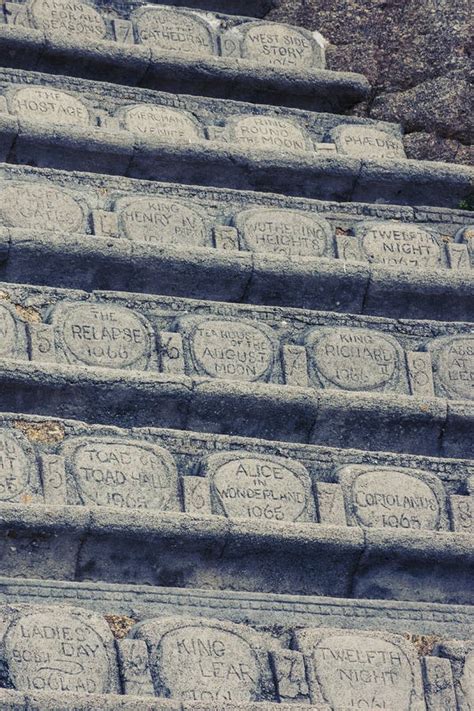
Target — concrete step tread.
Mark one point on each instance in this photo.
(67, 230)
(108, 545)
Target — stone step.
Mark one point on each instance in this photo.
(189, 663)
(280, 373)
(90, 232)
(189, 550)
(178, 50)
(140, 602)
(67, 462)
(249, 8)
(176, 506)
(56, 122)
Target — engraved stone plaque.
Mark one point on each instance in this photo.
(260, 487)
(279, 46)
(453, 366)
(160, 122)
(356, 359)
(207, 660)
(362, 670)
(231, 349)
(287, 232)
(365, 142)
(39, 207)
(109, 471)
(386, 497)
(19, 479)
(168, 30)
(9, 332)
(61, 649)
(68, 18)
(103, 335)
(41, 103)
(269, 133)
(400, 244)
(162, 222)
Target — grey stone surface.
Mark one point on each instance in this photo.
(228, 344)
(57, 701)
(37, 103)
(274, 332)
(19, 471)
(439, 685)
(67, 18)
(180, 48)
(350, 669)
(260, 488)
(453, 360)
(407, 245)
(102, 335)
(114, 396)
(209, 664)
(369, 143)
(174, 31)
(364, 360)
(120, 473)
(134, 452)
(60, 648)
(275, 45)
(390, 498)
(239, 151)
(77, 544)
(194, 659)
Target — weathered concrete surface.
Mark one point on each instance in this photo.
(415, 54)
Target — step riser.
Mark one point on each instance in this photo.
(103, 545)
(237, 343)
(152, 467)
(211, 661)
(91, 263)
(308, 168)
(422, 427)
(247, 8)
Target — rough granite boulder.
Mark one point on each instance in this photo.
(415, 53)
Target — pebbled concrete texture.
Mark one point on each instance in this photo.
(416, 56)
